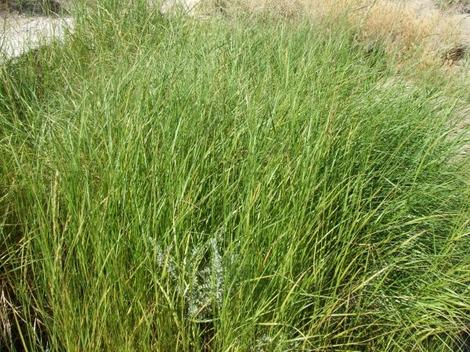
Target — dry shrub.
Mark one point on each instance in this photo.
(410, 35)
(397, 26)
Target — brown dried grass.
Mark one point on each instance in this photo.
(422, 37)
(5, 323)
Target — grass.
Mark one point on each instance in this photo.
(171, 184)
(452, 3)
(417, 38)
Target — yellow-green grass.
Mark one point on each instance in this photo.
(172, 184)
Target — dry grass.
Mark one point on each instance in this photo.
(5, 323)
(277, 8)
(395, 25)
(417, 37)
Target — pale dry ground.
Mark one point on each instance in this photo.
(20, 34)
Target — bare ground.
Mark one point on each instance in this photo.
(20, 33)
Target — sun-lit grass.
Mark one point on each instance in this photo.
(172, 184)
(413, 36)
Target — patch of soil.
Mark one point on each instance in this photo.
(20, 33)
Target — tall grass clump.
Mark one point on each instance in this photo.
(171, 184)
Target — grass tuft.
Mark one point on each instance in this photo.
(171, 184)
